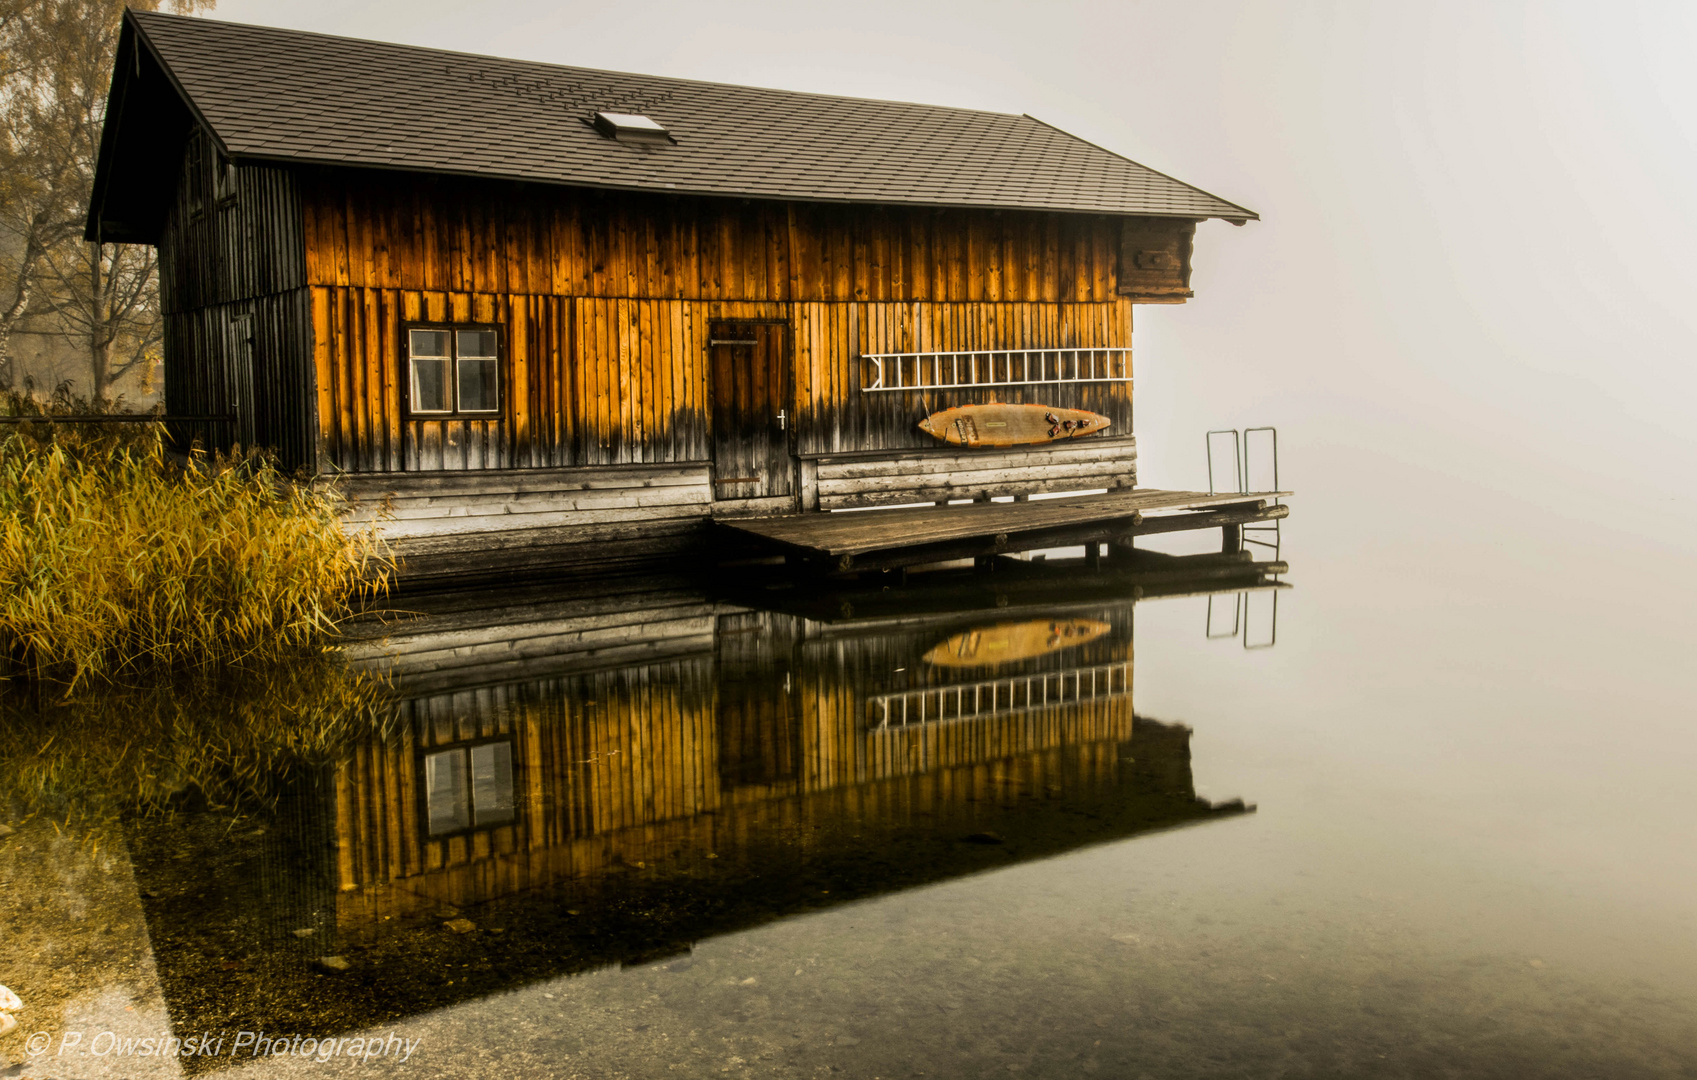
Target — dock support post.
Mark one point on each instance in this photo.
(1093, 556)
(1231, 539)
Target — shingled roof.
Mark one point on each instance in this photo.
(285, 95)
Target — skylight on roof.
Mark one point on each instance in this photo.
(630, 127)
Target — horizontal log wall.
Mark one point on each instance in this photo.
(445, 524)
(858, 480)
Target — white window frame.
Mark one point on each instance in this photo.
(454, 411)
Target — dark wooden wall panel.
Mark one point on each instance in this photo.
(243, 242)
(250, 359)
(232, 276)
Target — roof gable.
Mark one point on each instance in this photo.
(286, 95)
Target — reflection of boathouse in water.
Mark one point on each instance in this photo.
(608, 778)
(772, 736)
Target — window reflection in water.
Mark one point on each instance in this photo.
(469, 787)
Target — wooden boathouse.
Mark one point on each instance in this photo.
(573, 316)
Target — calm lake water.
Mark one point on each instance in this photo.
(1040, 822)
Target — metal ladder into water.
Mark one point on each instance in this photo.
(1264, 534)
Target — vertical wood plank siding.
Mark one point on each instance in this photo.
(232, 284)
(835, 417)
(605, 300)
(442, 234)
(250, 358)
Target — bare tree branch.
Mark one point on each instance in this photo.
(56, 59)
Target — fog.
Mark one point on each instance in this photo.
(1472, 270)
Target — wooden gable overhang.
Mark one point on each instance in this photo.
(148, 123)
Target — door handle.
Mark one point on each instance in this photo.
(783, 419)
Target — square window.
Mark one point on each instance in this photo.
(469, 788)
(454, 371)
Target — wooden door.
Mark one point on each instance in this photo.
(752, 432)
(238, 381)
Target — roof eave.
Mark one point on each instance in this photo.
(261, 158)
(1244, 216)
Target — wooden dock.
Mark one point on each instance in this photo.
(893, 539)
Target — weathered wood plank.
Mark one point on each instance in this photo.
(495, 499)
(497, 506)
(586, 535)
(1113, 530)
(855, 482)
(844, 467)
(977, 492)
(838, 534)
(468, 562)
(571, 517)
(523, 480)
(497, 502)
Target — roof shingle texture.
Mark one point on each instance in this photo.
(289, 95)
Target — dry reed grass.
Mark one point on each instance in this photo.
(117, 558)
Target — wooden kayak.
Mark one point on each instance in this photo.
(1004, 643)
(1010, 425)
